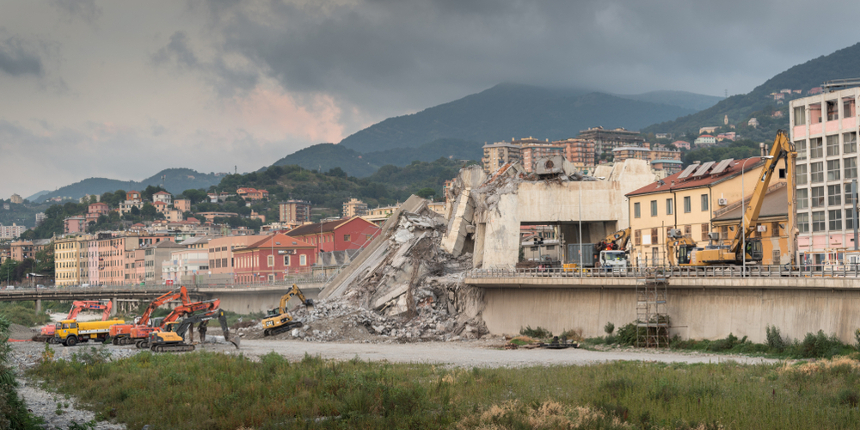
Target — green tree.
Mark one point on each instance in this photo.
(7, 270)
(425, 192)
(45, 261)
(148, 211)
(196, 196)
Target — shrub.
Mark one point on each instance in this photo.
(857, 337)
(724, 344)
(609, 328)
(575, 334)
(775, 341)
(537, 333)
(627, 334)
(819, 346)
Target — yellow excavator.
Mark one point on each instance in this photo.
(177, 336)
(278, 320)
(682, 250)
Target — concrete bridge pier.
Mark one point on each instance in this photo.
(38, 305)
(113, 308)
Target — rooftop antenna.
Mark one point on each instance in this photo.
(235, 169)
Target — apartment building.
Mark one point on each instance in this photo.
(16, 199)
(339, 235)
(252, 194)
(296, 212)
(11, 231)
(163, 197)
(95, 210)
(498, 154)
(626, 153)
(183, 205)
(24, 249)
(71, 260)
(186, 267)
(75, 224)
(533, 151)
(607, 140)
(824, 130)
(354, 207)
(272, 258)
(578, 151)
(154, 257)
(703, 199)
(222, 262)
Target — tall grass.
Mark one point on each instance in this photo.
(24, 313)
(13, 411)
(206, 390)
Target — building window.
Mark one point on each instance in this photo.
(832, 110)
(800, 174)
(688, 205)
(816, 148)
(724, 232)
(271, 260)
(303, 260)
(774, 229)
(704, 202)
(802, 198)
(834, 195)
(800, 115)
(800, 146)
(637, 213)
(849, 219)
(835, 220)
(655, 236)
(818, 221)
(817, 197)
(653, 207)
(669, 207)
(849, 143)
(688, 231)
(832, 146)
(637, 237)
(803, 223)
(817, 170)
(851, 168)
(286, 260)
(346, 238)
(833, 170)
(775, 257)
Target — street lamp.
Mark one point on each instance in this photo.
(743, 215)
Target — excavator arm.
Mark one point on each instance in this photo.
(782, 149)
(95, 305)
(207, 305)
(611, 242)
(175, 341)
(182, 294)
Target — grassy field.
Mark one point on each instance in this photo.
(215, 391)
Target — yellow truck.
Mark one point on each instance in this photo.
(71, 332)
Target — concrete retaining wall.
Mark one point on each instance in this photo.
(695, 313)
(246, 301)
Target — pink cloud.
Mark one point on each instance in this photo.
(276, 115)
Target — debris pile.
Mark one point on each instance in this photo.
(401, 288)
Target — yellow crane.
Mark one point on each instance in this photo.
(682, 250)
(278, 320)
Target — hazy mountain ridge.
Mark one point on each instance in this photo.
(176, 180)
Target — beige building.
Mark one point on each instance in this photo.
(296, 212)
(499, 154)
(354, 207)
(607, 140)
(699, 203)
(183, 205)
(71, 260)
(16, 199)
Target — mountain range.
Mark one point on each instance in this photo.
(174, 180)
(758, 103)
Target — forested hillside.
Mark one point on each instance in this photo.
(175, 180)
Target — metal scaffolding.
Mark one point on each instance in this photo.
(652, 318)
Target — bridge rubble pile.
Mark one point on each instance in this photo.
(402, 287)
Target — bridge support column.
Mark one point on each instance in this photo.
(113, 308)
(38, 305)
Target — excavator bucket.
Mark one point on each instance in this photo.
(309, 303)
(235, 340)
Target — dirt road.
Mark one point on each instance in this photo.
(474, 354)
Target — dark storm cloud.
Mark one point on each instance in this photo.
(85, 10)
(18, 59)
(378, 53)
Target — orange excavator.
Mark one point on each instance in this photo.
(121, 333)
(140, 334)
(47, 332)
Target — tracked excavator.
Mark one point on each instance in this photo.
(278, 320)
(612, 250)
(46, 334)
(682, 250)
(177, 336)
(140, 334)
(121, 333)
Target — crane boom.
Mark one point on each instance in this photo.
(182, 294)
(782, 149)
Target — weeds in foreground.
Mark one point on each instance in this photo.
(206, 390)
(537, 333)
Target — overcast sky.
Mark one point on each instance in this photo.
(123, 89)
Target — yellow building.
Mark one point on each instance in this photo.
(698, 203)
(499, 154)
(70, 260)
(354, 207)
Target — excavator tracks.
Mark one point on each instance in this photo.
(123, 341)
(172, 348)
(282, 329)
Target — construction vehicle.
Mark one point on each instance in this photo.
(46, 334)
(683, 250)
(278, 320)
(140, 334)
(613, 250)
(178, 336)
(72, 332)
(121, 333)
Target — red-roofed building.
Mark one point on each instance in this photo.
(160, 207)
(162, 196)
(340, 235)
(252, 194)
(272, 258)
(95, 210)
(692, 204)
